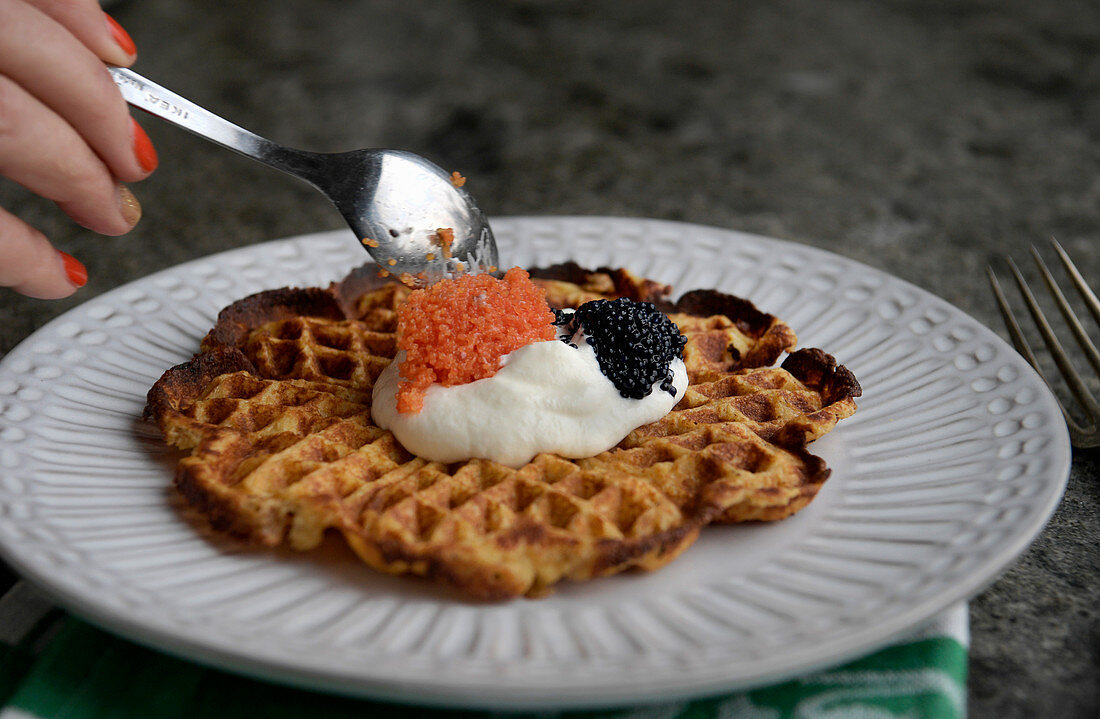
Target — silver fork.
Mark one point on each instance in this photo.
(1084, 433)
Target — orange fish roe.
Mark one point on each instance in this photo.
(445, 237)
(457, 330)
(457, 179)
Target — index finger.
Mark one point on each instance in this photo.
(99, 32)
(48, 61)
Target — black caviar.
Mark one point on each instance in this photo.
(634, 342)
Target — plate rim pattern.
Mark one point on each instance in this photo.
(836, 299)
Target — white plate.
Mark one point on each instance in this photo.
(953, 463)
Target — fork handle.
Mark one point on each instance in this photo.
(147, 95)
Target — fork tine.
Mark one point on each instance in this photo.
(1079, 282)
(1076, 384)
(1014, 331)
(1075, 326)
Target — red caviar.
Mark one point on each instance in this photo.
(444, 237)
(457, 330)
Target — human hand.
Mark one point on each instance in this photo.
(65, 134)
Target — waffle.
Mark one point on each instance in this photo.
(275, 413)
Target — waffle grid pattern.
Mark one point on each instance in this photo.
(283, 450)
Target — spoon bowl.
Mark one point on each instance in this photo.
(395, 202)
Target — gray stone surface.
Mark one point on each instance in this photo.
(924, 137)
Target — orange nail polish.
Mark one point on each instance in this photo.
(78, 274)
(122, 38)
(143, 148)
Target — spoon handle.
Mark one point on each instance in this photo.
(147, 95)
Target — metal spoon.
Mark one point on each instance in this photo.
(394, 201)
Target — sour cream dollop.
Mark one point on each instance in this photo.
(547, 397)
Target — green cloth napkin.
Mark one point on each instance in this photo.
(57, 666)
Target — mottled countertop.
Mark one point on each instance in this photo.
(927, 138)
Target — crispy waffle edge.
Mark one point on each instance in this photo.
(496, 583)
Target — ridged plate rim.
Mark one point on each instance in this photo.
(920, 333)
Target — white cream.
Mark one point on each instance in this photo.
(547, 397)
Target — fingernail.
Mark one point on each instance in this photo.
(128, 204)
(122, 38)
(143, 147)
(78, 274)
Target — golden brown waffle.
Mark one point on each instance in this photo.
(275, 411)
